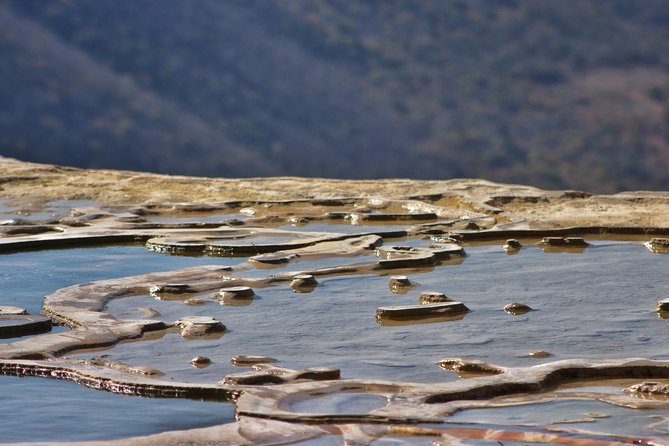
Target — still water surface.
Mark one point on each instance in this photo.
(596, 304)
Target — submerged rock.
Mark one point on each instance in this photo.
(148, 312)
(195, 301)
(539, 354)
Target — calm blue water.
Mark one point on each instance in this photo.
(597, 304)
(40, 409)
(25, 278)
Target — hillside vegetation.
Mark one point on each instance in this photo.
(568, 94)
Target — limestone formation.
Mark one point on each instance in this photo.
(659, 245)
(236, 292)
(663, 305)
(194, 326)
(303, 283)
(517, 308)
(12, 311)
(399, 284)
(249, 360)
(512, 245)
(649, 388)
(469, 366)
(200, 362)
(432, 297)
(430, 219)
(421, 311)
(14, 325)
(268, 374)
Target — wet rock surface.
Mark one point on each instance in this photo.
(649, 388)
(659, 245)
(249, 360)
(432, 221)
(12, 311)
(466, 367)
(432, 297)
(193, 326)
(303, 283)
(517, 308)
(264, 374)
(421, 311)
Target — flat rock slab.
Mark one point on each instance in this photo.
(192, 326)
(426, 310)
(12, 326)
(8, 310)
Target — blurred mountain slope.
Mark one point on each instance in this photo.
(555, 94)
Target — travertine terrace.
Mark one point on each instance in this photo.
(449, 213)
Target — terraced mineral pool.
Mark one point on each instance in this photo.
(38, 409)
(597, 304)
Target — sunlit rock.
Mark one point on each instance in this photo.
(432, 297)
(191, 326)
(247, 360)
(517, 308)
(512, 245)
(303, 283)
(200, 362)
(12, 311)
(469, 366)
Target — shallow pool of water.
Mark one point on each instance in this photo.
(591, 417)
(39, 409)
(39, 210)
(26, 277)
(598, 304)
